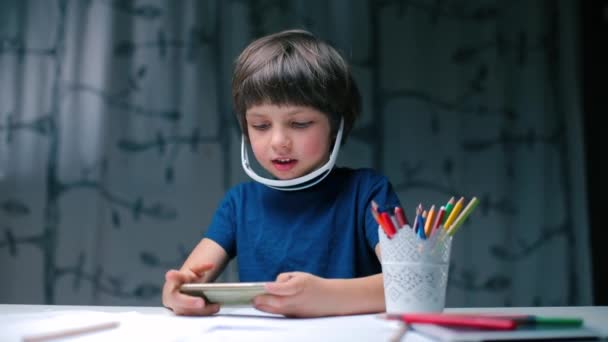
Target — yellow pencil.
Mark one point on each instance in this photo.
(463, 216)
(448, 209)
(454, 213)
(428, 225)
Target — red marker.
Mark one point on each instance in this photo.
(389, 227)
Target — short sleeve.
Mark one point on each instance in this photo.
(381, 191)
(222, 229)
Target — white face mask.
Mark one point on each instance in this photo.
(299, 183)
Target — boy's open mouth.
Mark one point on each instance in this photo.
(284, 164)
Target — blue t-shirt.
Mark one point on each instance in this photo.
(327, 230)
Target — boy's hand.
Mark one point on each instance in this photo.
(183, 304)
(296, 294)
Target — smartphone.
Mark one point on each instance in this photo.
(225, 293)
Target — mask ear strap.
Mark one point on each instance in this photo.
(299, 183)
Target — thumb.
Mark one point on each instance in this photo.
(285, 285)
(283, 277)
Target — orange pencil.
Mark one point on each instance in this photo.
(429, 221)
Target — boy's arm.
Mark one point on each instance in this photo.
(299, 294)
(204, 264)
(359, 295)
(207, 252)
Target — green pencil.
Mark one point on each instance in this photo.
(463, 216)
(562, 321)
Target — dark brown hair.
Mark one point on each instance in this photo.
(295, 68)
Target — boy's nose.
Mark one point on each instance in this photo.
(280, 140)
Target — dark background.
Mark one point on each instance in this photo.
(595, 73)
(117, 137)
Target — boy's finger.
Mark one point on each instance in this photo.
(269, 309)
(206, 310)
(200, 270)
(175, 276)
(269, 301)
(190, 303)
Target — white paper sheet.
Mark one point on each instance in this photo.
(131, 326)
(232, 324)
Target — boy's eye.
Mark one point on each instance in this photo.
(297, 124)
(260, 127)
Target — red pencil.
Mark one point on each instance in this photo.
(439, 218)
(471, 321)
(401, 218)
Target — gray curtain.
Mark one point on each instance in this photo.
(117, 138)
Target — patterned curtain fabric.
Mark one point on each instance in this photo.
(117, 137)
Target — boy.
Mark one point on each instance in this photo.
(310, 229)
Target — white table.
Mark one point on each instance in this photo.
(159, 324)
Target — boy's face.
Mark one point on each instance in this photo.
(288, 141)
